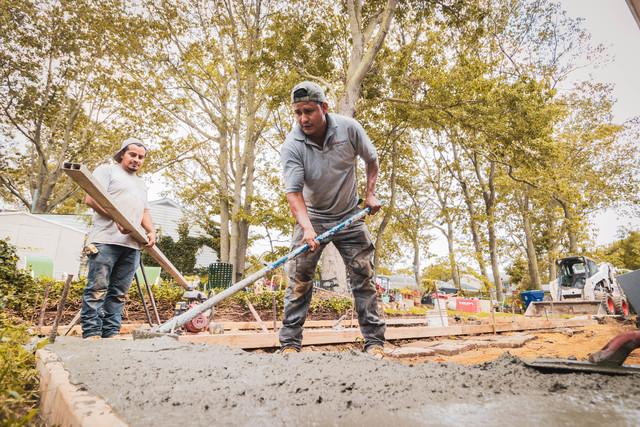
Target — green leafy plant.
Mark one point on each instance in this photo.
(18, 376)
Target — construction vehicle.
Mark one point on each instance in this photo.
(583, 287)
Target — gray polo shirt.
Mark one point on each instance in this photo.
(326, 176)
(128, 192)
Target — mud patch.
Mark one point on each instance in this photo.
(162, 382)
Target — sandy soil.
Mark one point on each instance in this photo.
(161, 382)
(580, 345)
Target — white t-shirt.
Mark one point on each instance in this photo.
(129, 194)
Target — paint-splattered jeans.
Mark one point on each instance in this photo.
(356, 249)
(111, 271)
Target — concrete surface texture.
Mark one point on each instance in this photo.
(161, 382)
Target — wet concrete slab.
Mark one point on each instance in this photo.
(162, 382)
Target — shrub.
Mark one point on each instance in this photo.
(336, 305)
(18, 376)
(15, 285)
(166, 292)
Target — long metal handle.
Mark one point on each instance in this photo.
(185, 317)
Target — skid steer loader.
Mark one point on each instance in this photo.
(583, 287)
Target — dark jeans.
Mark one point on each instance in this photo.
(355, 247)
(111, 271)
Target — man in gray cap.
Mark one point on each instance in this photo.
(113, 254)
(319, 158)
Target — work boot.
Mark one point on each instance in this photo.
(93, 338)
(375, 351)
(289, 350)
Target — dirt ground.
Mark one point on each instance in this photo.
(579, 344)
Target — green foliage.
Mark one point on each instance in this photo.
(439, 271)
(18, 376)
(264, 301)
(14, 283)
(181, 253)
(623, 253)
(519, 273)
(166, 293)
(335, 305)
(413, 311)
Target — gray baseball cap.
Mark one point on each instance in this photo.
(307, 91)
(123, 147)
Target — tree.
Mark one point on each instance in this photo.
(61, 94)
(182, 252)
(623, 253)
(368, 28)
(210, 70)
(517, 272)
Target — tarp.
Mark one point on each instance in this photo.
(630, 283)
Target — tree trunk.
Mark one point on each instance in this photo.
(554, 245)
(365, 45)
(416, 259)
(248, 162)
(489, 197)
(532, 258)
(452, 257)
(225, 216)
(389, 209)
(570, 227)
(473, 223)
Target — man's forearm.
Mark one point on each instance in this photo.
(372, 177)
(299, 210)
(91, 202)
(147, 223)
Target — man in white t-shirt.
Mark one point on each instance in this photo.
(116, 254)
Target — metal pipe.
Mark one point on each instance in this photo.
(61, 303)
(151, 297)
(144, 303)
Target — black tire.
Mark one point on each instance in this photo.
(608, 304)
(621, 305)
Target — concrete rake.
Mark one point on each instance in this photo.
(171, 325)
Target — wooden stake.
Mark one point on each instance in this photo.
(61, 303)
(275, 314)
(44, 306)
(493, 321)
(256, 315)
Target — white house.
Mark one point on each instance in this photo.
(167, 215)
(38, 239)
(59, 239)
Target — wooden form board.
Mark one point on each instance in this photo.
(249, 340)
(240, 326)
(65, 404)
(127, 328)
(81, 175)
